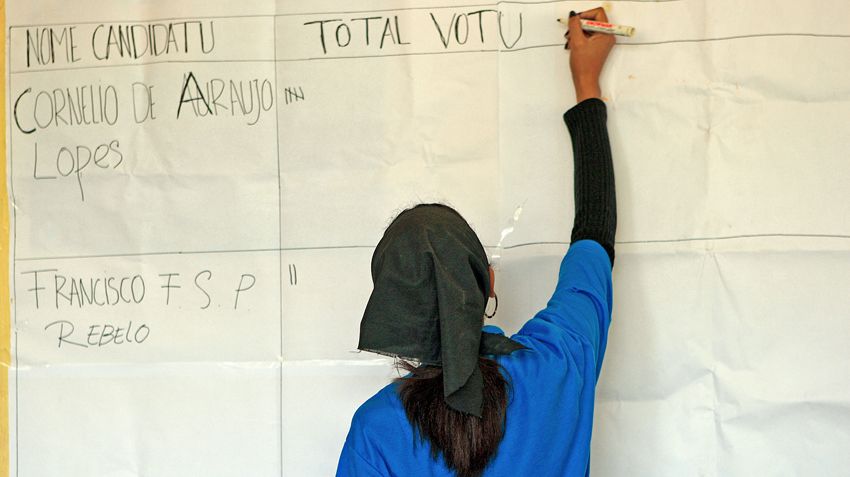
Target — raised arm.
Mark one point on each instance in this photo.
(580, 309)
(595, 198)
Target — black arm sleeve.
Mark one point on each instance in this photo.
(595, 198)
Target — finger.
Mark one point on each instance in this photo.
(605, 39)
(602, 38)
(597, 14)
(576, 34)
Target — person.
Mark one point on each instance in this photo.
(479, 403)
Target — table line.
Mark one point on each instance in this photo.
(279, 246)
(427, 53)
(305, 14)
(13, 268)
(348, 247)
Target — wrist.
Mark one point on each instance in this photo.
(587, 91)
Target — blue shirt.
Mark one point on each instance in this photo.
(550, 406)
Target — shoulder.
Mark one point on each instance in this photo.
(591, 249)
(586, 267)
(367, 450)
(380, 412)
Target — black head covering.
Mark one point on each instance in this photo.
(430, 288)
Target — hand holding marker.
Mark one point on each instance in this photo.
(593, 25)
(588, 51)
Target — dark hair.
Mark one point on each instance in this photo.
(466, 442)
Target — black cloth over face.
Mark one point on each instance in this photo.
(431, 283)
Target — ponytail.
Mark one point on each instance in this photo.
(467, 442)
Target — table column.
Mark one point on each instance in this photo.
(364, 133)
(146, 248)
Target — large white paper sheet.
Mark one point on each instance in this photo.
(188, 275)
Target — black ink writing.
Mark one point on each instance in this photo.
(293, 94)
(35, 288)
(168, 285)
(152, 39)
(43, 44)
(68, 291)
(142, 102)
(218, 97)
(98, 291)
(244, 285)
(458, 27)
(191, 99)
(293, 274)
(73, 160)
(75, 106)
(342, 36)
(100, 335)
(209, 276)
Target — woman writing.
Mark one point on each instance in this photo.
(479, 403)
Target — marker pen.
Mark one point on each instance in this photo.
(602, 27)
